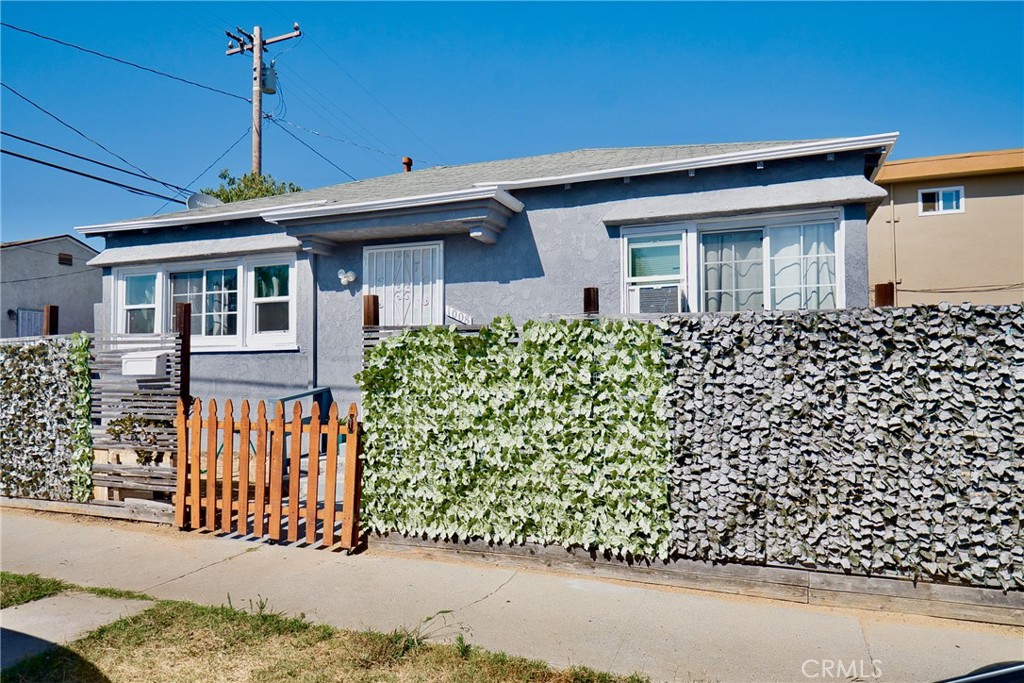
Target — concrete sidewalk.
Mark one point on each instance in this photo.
(668, 634)
(34, 627)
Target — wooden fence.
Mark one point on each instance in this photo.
(244, 476)
(143, 407)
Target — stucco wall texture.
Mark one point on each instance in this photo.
(981, 248)
(548, 254)
(32, 278)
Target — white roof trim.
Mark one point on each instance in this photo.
(196, 250)
(296, 212)
(315, 209)
(742, 200)
(181, 220)
(745, 156)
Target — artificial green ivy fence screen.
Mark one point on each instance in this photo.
(555, 433)
(45, 442)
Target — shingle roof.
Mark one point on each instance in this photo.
(450, 178)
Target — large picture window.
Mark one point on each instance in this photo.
(734, 265)
(241, 304)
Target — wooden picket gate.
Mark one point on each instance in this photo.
(244, 477)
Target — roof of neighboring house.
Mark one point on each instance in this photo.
(38, 240)
(952, 165)
(453, 182)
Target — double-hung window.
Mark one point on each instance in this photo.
(242, 303)
(774, 262)
(655, 282)
(140, 304)
(271, 300)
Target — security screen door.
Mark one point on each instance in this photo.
(408, 280)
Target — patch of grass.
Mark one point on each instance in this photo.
(462, 647)
(17, 589)
(113, 593)
(177, 641)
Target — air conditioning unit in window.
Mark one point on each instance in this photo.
(657, 299)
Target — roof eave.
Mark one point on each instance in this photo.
(313, 209)
(295, 213)
(885, 140)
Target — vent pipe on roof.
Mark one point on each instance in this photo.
(407, 162)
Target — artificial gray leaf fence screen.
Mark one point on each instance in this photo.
(871, 441)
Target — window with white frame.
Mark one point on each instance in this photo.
(940, 200)
(242, 303)
(775, 262)
(271, 300)
(654, 282)
(733, 275)
(140, 304)
(803, 266)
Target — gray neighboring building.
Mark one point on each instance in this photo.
(48, 271)
(276, 284)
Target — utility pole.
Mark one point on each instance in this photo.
(257, 46)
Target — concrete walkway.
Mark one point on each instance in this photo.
(35, 627)
(668, 634)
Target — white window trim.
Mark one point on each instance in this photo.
(940, 211)
(679, 230)
(246, 339)
(201, 341)
(269, 339)
(439, 314)
(690, 232)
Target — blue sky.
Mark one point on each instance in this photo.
(463, 82)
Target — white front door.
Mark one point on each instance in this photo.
(408, 280)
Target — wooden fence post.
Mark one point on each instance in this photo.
(182, 491)
(50, 318)
(195, 465)
(183, 326)
(353, 483)
(371, 310)
(591, 305)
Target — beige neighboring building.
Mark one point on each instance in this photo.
(959, 229)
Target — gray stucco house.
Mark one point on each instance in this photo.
(47, 271)
(276, 283)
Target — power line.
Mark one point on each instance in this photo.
(47, 277)
(315, 107)
(335, 107)
(134, 190)
(373, 97)
(69, 126)
(125, 62)
(303, 143)
(91, 161)
(203, 172)
(331, 137)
